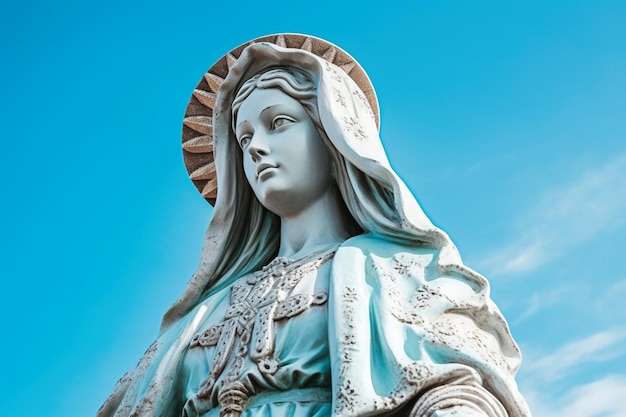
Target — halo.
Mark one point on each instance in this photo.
(198, 124)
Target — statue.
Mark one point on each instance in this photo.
(323, 289)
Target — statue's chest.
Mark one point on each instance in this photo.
(261, 306)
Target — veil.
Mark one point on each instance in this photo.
(242, 235)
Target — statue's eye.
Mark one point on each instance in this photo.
(244, 141)
(280, 121)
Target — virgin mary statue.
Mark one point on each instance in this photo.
(323, 289)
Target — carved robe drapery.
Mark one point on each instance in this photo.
(399, 335)
(400, 332)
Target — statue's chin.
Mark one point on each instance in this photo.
(285, 197)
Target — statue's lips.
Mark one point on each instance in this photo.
(264, 168)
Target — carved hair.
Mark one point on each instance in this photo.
(294, 82)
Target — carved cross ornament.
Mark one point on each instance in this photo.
(257, 301)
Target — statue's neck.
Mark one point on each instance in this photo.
(320, 224)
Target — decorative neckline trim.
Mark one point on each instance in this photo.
(285, 262)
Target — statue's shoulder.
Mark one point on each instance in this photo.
(410, 267)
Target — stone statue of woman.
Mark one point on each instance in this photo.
(323, 289)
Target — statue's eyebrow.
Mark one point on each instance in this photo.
(268, 108)
(239, 125)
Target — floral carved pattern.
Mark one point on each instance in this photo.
(354, 128)
(346, 397)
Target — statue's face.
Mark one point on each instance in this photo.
(284, 158)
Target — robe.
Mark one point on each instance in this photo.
(402, 338)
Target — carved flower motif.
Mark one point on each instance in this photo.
(354, 127)
(414, 374)
(348, 339)
(339, 98)
(268, 365)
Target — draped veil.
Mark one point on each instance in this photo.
(350, 126)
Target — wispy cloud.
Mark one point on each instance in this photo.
(618, 287)
(563, 218)
(545, 299)
(599, 347)
(601, 398)
(546, 374)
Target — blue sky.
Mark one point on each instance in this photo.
(507, 119)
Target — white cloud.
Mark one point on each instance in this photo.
(601, 303)
(600, 398)
(545, 376)
(599, 347)
(564, 218)
(618, 288)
